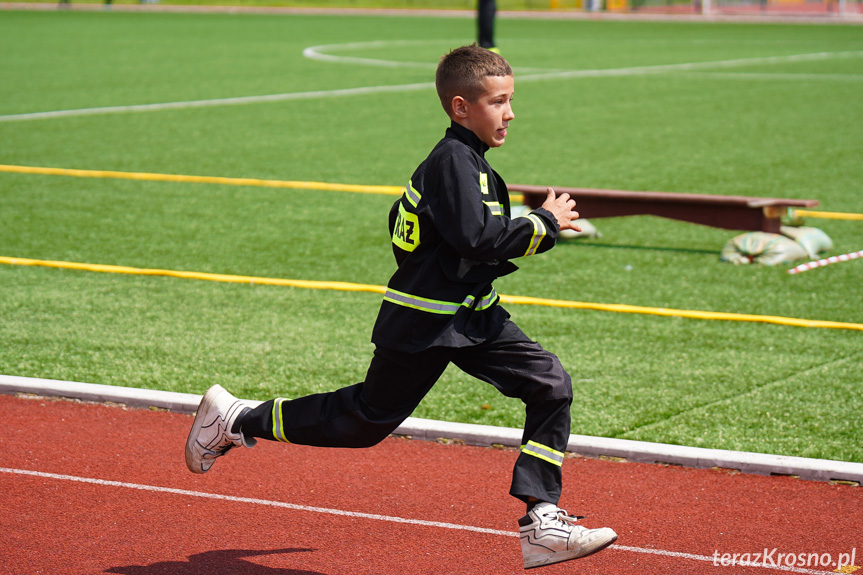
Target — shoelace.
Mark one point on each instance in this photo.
(223, 447)
(563, 517)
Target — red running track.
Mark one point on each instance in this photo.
(100, 489)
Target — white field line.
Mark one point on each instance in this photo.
(542, 75)
(749, 76)
(375, 517)
(321, 54)
(243, 100)
(690, 66)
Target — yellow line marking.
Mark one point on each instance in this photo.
(691, 314)
(827, 215)
(305, 284)
(294, 185)
(519, 300)
(177, 178)
(343, 286)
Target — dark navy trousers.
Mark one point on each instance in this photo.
(364, 414)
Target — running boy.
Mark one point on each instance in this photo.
(452, 236)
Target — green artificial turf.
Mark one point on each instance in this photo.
(779, 124)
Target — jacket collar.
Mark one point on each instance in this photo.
(465, 136)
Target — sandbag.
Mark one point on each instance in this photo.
(588, 230)
(762, 248)
(813, 240)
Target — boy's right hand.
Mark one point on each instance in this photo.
(563, 208)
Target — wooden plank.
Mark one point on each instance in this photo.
(728, 212)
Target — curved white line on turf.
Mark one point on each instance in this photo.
(545, 75)
(375, 517)
(320, 54)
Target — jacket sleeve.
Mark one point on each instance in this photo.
(472, 223)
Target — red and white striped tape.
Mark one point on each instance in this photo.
(826, 262)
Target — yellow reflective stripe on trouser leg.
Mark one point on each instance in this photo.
(278, 424)
(543, 452)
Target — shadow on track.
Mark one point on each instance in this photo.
(222, 562)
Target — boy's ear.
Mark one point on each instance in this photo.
(459, 107)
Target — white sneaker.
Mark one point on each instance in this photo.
(549, 535)
(211, 435)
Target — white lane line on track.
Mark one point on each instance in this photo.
(712, 559)
(542, 75)
(234, 499)
(372, 516)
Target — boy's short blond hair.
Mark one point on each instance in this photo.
(462, 71)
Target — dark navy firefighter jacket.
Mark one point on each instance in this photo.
(452, 236)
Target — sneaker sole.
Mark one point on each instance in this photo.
(560, 557)
(203, 410)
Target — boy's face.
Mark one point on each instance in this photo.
(490, 115)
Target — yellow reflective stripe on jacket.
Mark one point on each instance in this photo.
(543, 452)
(278, 424)
(495, 207)
(423, 304)
(482, 304)
(438, 306)
(539, 233)
(412, 195)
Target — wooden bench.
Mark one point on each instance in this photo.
(729, 212)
